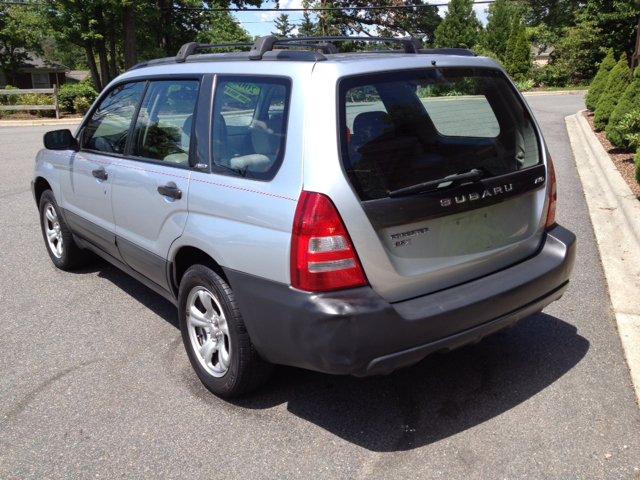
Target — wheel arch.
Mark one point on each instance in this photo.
(40, 184)
(185, 257)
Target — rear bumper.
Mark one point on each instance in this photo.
(357, 332)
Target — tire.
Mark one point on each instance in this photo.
(58, 240)
(215, 337)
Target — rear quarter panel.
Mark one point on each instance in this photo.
(245, 224)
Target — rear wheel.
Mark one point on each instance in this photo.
(63, 251)
(215, 337)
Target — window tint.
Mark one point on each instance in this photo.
(108, 127)
(249, 125)
(409, 127)
(164, 125)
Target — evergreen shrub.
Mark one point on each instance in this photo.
(520, 67)
(513, 40)
(600, 81)
(629, 103)
(617, 83)
(636, 160)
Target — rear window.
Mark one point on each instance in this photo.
(399, 129)
(249, 125)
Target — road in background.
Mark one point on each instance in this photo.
(95, 382)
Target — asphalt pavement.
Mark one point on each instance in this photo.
(95, 383)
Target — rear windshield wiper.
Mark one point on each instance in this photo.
(472, 176)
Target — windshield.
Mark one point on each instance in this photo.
(403, 128)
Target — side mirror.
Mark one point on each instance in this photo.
(60, 140)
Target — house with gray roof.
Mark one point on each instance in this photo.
(37, 72)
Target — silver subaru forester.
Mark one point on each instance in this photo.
(348, 213)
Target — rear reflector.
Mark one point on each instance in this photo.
(322, 255)
(553, 195)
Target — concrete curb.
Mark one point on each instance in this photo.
(615, 215)
(40, 121)
(557, 92)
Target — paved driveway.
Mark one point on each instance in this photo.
(95, 383)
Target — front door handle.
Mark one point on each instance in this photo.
(100, 173)
(170, 191)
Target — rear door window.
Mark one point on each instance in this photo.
(399, 129)
(164, 124)
(249, 125)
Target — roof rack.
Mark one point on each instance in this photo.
(191, 48)
(267, 44)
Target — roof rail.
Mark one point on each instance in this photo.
(465, 52)
(269, 42)
(190, 48)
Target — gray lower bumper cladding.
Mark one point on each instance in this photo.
(357, 332)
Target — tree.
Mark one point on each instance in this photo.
(555, 14)
(512, 41)
(617, 83)
(129, 34)
(460, 27)
(499, 19)
(599, 26)
(20, 29)
(118, 33)
(420, 22)
(542, 36)
(629, 102)
(600, 81)
(578, 52)
(284, 28)
(485, 52)
(617, 21)
(307, 27)
(221, 27)
(521, 63)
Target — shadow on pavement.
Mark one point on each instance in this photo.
(440, 397)
(147, 297)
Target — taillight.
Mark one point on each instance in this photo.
(322, 255)
(553, 196)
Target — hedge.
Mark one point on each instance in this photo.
(617, 83)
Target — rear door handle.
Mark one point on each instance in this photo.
(100, 173)
(170, 191)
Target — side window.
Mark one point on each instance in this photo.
(165, 122)
(107, 129)
(249, 125)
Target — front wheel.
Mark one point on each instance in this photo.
(63, 251)
(215, 337)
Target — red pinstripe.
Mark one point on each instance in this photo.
(178, 176)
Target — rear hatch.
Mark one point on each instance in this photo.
(447, 164)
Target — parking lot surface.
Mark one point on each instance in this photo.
(95, 382)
